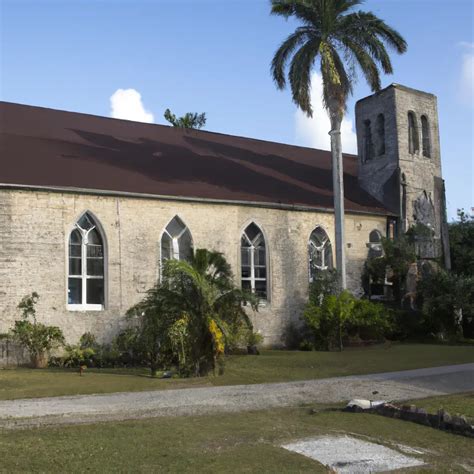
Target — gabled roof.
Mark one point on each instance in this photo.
(42, 147)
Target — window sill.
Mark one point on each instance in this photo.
(85, 307)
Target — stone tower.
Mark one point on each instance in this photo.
(400, 162)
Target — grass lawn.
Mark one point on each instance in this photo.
(270, 366)
(458, 404)
(245, 442)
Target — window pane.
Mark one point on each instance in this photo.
(95, 267)
(245, 272)
(175, 227)
(166, 247)
(75, 237)
(95, 251)
(260, 256)
(86, 222)
(75, 291)
(260, 272)
(75, 266)
(261, 289)
(95, 291)
(75, 250)
(246, 285)
(185, 244)
(245, 256)
(93, 237)
(252, 231)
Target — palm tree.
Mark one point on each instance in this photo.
(192, 315)
(339, 39)
(188, 120)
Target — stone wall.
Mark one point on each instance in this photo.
(12, 354)
(35, 227)
(408, 183)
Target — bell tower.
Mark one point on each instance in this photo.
(400, 162)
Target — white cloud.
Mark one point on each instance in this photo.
(314, 132)
(467, 73)
(127, 104)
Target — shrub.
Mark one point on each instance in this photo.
(448, 304)
(341, 316)
(39, 339)
(189, 318)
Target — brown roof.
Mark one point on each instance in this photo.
(44, 147)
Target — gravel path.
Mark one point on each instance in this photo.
(132, 405)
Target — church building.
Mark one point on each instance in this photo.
(91, 207)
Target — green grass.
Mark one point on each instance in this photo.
(245, 442)
(270, 366)
(458, 404)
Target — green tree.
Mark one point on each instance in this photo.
(189, 120)
(461, 243)
(339, 39)
(448, 303)
(36, 337)
(189, 317)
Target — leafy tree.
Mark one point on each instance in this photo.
(190, 316)
(461, 242)
(339, 39)
(397, 257)
(189, 120)
(448, 303)
(36, 337)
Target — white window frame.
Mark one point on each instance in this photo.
(324, 265)
(252, 277)
(84, 276)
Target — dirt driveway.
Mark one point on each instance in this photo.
(409, 384)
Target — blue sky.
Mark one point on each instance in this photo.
(214, 55)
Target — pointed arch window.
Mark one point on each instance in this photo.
(425, 136)
(86, 282)
(381, 135)
(368, 143)
(413, 143)
(254, 261)
(176, 241)
(375, 244)
(320, 252)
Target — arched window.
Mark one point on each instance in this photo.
(380, 135)
(254, 261)
(320, 252)
(375, 244)
(176, 241)
(413, 144)
(86, 289)
(425, 136)
(368, 145)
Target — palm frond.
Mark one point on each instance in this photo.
(306, 11)
(300, 75)
(284, 52)
(366, 64)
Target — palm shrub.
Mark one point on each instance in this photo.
(38, 338)
(339, 39)
(190, 317)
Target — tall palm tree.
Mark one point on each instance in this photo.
(338, 39)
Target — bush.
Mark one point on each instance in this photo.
(39, 339)
(448, 304)
(339, 317)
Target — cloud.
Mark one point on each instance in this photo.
(127, 104)
(314, 132)
(467, 73)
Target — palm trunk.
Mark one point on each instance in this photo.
(338, 187)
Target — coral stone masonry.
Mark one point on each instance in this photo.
(91, 207)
